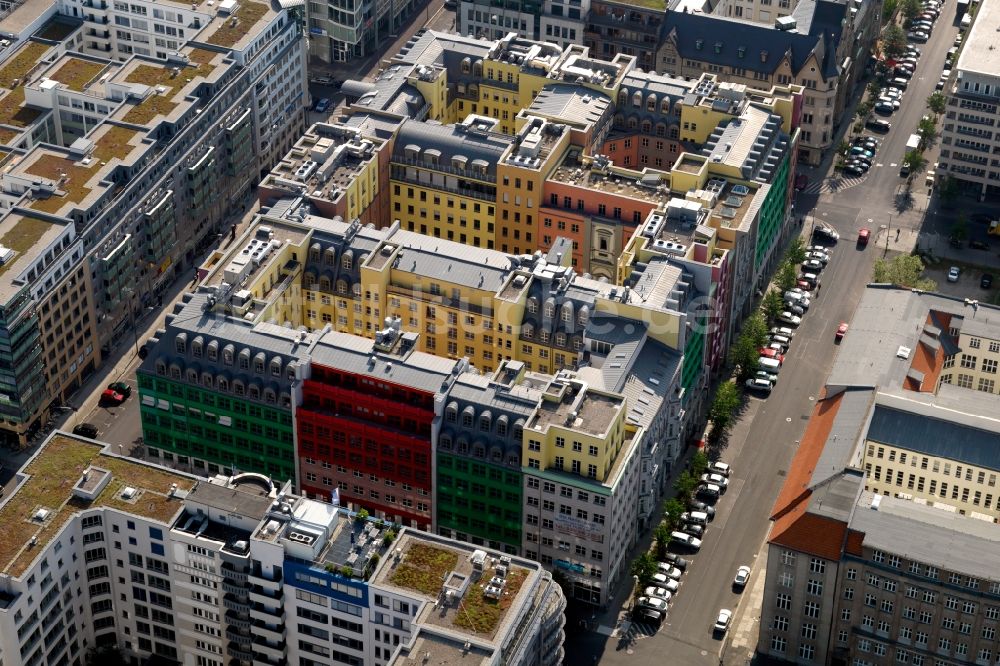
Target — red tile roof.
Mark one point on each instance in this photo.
(793, 526)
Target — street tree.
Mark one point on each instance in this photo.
(773, 305)
(927, 131)
(915, 161)
(893, 41)
(699, 461)
(662, 536)
(755, 327)
(723, 412)
(910, 9)
(905, 270)
(685, 484)
(937, 102)
(672, 510)
(796, 252)
(644, 567)
(889, 10)
(743, 354)
(786, 277)
(865, 109)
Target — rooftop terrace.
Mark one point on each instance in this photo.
(588, 411)
(75, 179)
(229, 30)
(12, 109)
(651, 186)
(477, 605)
(27, 237)
(169, 89)
(48, 481)
(76, 73)
(325, 161)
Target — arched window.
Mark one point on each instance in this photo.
(623, 97)
(637, 99)
(647, 126)
(665, 106)
(651, 103)
(244, 359)
(633, 123)
(485, 422)
(451, 414)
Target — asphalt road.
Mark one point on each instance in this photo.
(764, 441)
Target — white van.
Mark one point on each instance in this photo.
(769, 364)
(966, 22)
(696, 517)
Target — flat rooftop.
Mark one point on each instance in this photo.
(46, 482)
(434, 649)
(29, 237)
(594, 412)
(979, 54)
(164, 86)
(17, 68)
(325, 161)
(24, 15)
(246, 245)
(734, 202)
(76, 176)
(572, 171)
(75, 72)
(428, 565)
(234, 30)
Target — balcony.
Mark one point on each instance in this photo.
(233, 588)
(235, 603)
(237, 620)
(237, 636)
(259, 658)
(229, 571)
(237, 652)
(273, 634)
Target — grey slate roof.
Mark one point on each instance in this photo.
(764, 47)
(845, 433)
(352, 353)
(572, 103)
(945, 539)
(438, 259)
(451, 140)
(646, 385)
(935, 437)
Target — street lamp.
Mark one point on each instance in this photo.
(635, 584)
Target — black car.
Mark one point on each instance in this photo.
(878, 125)
(978, 245)
(644, 614)
(986, 281)
(676, 560)
(88, 430)
(694, 529)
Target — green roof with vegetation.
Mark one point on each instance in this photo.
(247, 15)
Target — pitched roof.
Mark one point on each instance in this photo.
(757, 48)
(810, 533)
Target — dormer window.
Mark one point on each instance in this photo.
(699, 43)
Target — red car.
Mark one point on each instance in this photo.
(112, 397)
(772, 353)
(841, 331)
(863, 235)
(804, 285)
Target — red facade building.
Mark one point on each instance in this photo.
(365, 427)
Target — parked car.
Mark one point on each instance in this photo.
(694, 530)
(767, 352)
(841, 331)
(672, 558)
(667, 571)
(686, 540)
(854, 170)
(648, 615)
(654, 592)
(979, 245)
(701, 506)
(860, 150)
(863, 236)
(711, 491)
(782, 330)
(917, 36)
(813, 265)
(986, 281)
(116, 393)
(88, 430)
(879, 125)
(719, 467)
(953, 273)
(884, 108)
(722, 622)
(789, 318)
(823, 231)
(696, 517)
(742, 576)
(759, 385)
(781, 339)
(717, 479)
(821, 257)
(654, 603)
(768, 364)
(670, 585)
(810, 277)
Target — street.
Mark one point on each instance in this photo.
(762, 443)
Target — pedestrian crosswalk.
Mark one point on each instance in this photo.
(833, 184)
(633, 631)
